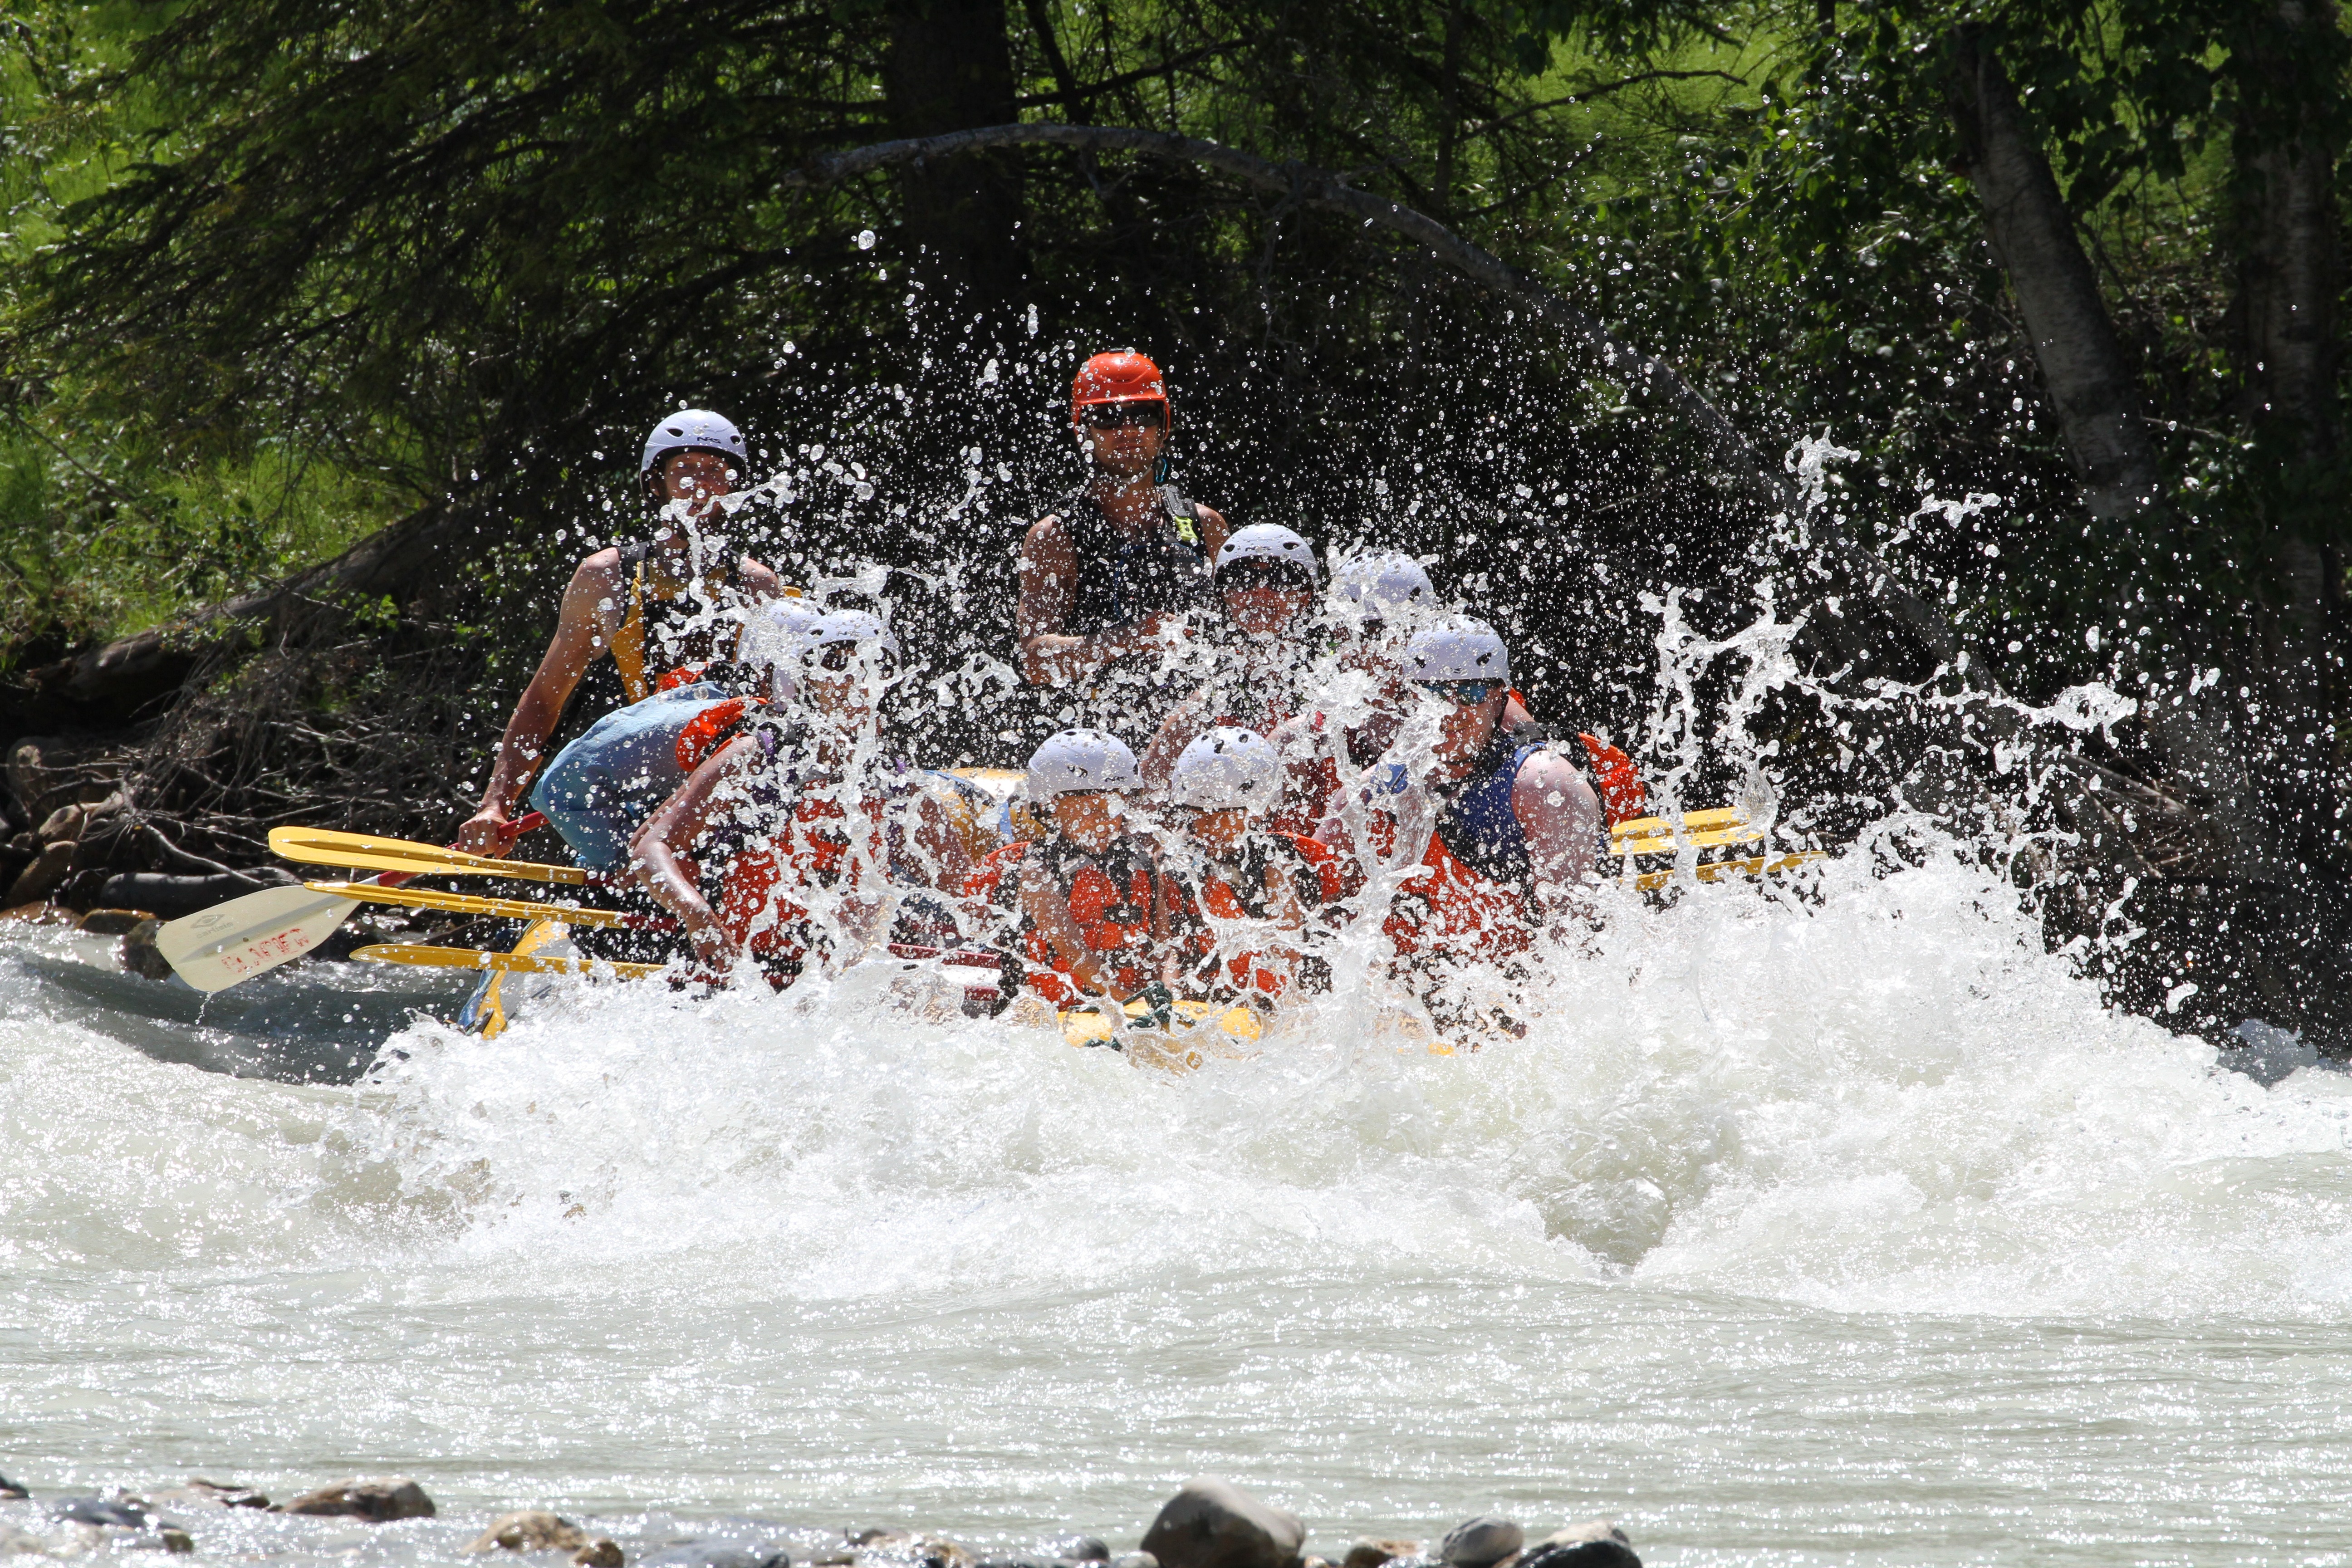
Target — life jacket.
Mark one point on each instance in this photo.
(1109, 899)
(1235, 891)
(1120, 579)
(765, 874)
(660, 638)
(1476, 894)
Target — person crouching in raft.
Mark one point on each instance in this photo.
(1267, 580)
(794, 821)
(1231, 880)
(601, 788)
(653, 608)
(1515, 827)
(1083, 904)
(1110, 570)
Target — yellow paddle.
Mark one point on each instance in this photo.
(364, 852)
(469, 904)
(507, 962)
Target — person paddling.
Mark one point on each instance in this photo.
(1240, 896)
(1514, 827)
(1083, 905)
(654, 608)
(1105, 574)
(798, 820)
(1266, 579)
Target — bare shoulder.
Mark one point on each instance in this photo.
(595, 583)
(1214, 526)
(1550, 780)
(1048, 536)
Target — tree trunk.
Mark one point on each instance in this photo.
(2090, 381)
(950, 68)
(2195, 725)
(2289, 273)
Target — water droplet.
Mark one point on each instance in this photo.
(864, 239)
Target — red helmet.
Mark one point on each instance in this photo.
(1125, 376)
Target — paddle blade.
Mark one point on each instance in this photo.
(214, 949)
(363, 852)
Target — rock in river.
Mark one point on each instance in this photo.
(10, 1491)
(1481, 1543)
(1215, 1524)
(532, 1530)
(379, 1502)
(718, 1555)
(124, 1515)
(1596, 1544)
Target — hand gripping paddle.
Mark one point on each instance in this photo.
(214, 949)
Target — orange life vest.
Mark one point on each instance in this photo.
(1314, 873)
(1110, 900)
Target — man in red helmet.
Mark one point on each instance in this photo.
(1104, 574)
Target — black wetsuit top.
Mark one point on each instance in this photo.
(1122, 580)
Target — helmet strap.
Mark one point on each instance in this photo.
(1159, 465)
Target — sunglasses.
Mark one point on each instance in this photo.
(838, 659)
(1467, 693)
(1116, 416)
(1243, 576)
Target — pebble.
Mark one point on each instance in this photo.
(1368, 1552)
(379, 1500)
(1215, 1524)
(1598, 1543)
(1481, 1543)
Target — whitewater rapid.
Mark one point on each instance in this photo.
(1824, 1219)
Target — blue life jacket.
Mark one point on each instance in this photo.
(1478, 824)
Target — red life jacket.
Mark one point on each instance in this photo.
(1240, 894)
(763, 891)
(1110, 900)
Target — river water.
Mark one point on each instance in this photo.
(1825, 1221)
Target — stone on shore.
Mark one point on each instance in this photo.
(1215, 1524)
(1368, 1553)
(1135, 1560)
(1481, 1543)
(930, 1550)
(1079, 1548)
(379, 1500)
(530, 1529)
(98, 1511)
(1597, 1543)
(601, 1552)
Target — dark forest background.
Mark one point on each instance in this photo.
(329, 327)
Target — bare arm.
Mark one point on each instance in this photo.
(1049, 585)
(583, 632)
(1176, 732)
(1213, 529)
(760, 582)
(659, 854)
(1560, 817)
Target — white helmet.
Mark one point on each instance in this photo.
(1381, 585)
(774, 636)
(1226, 766)
(1459, 650)
(694, 427)
(1269, 542)
(858, 627)
(1079, 760)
